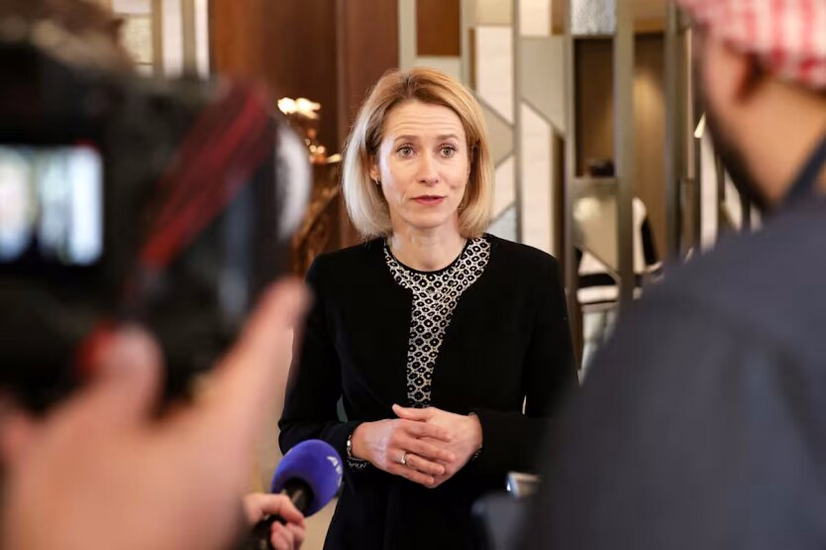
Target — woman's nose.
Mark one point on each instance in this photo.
(427, 173)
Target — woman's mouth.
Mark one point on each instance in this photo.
(429, 200)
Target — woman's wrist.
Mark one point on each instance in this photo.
(355, 444)
(477, 432)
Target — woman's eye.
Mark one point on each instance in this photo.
(405, 151)
(448, 151)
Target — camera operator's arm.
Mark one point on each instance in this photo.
(282, 537)
(101, 472)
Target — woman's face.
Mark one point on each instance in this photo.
(423, 166)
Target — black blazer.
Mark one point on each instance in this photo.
(508, 343)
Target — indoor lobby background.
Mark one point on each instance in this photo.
(566, 85)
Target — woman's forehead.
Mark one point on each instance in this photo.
(418, 119)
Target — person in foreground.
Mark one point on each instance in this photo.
(712, 433)
(433, 332)
(101, 472)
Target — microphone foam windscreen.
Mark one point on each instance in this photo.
(315, 463)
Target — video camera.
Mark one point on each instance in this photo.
(130, 200)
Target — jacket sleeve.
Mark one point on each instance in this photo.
(512, 440)
(314, 386)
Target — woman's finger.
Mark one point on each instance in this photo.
(420, 415)
(421, 429)
(429, 450)
(424, 466)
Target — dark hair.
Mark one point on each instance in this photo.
(601, 168)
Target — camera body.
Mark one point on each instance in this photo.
(167, 204)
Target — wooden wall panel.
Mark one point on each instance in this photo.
(290, 45)
(438, 27)
(237, 37)
(300, 57)
(368, 46)
(330, 51)
(559, 10)
(594, 101)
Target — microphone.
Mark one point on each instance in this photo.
(310, 475)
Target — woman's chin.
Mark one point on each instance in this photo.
(431, 222)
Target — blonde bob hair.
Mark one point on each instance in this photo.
(365, 202)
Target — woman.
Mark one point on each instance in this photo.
(433, 334)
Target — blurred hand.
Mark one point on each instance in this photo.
(282, 537)
(464, 436)
(385, 442)
(101, 472)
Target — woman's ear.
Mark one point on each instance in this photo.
(375, 171)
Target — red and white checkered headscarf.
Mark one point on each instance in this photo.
(789, 36)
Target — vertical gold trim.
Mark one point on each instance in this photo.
(157, 37)
(624, 134)
(569, 265)
(190, 49)
(467, 45)
(516, 52)
(408, 49)
(203, 51)
(471, 63)
(675, 150)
